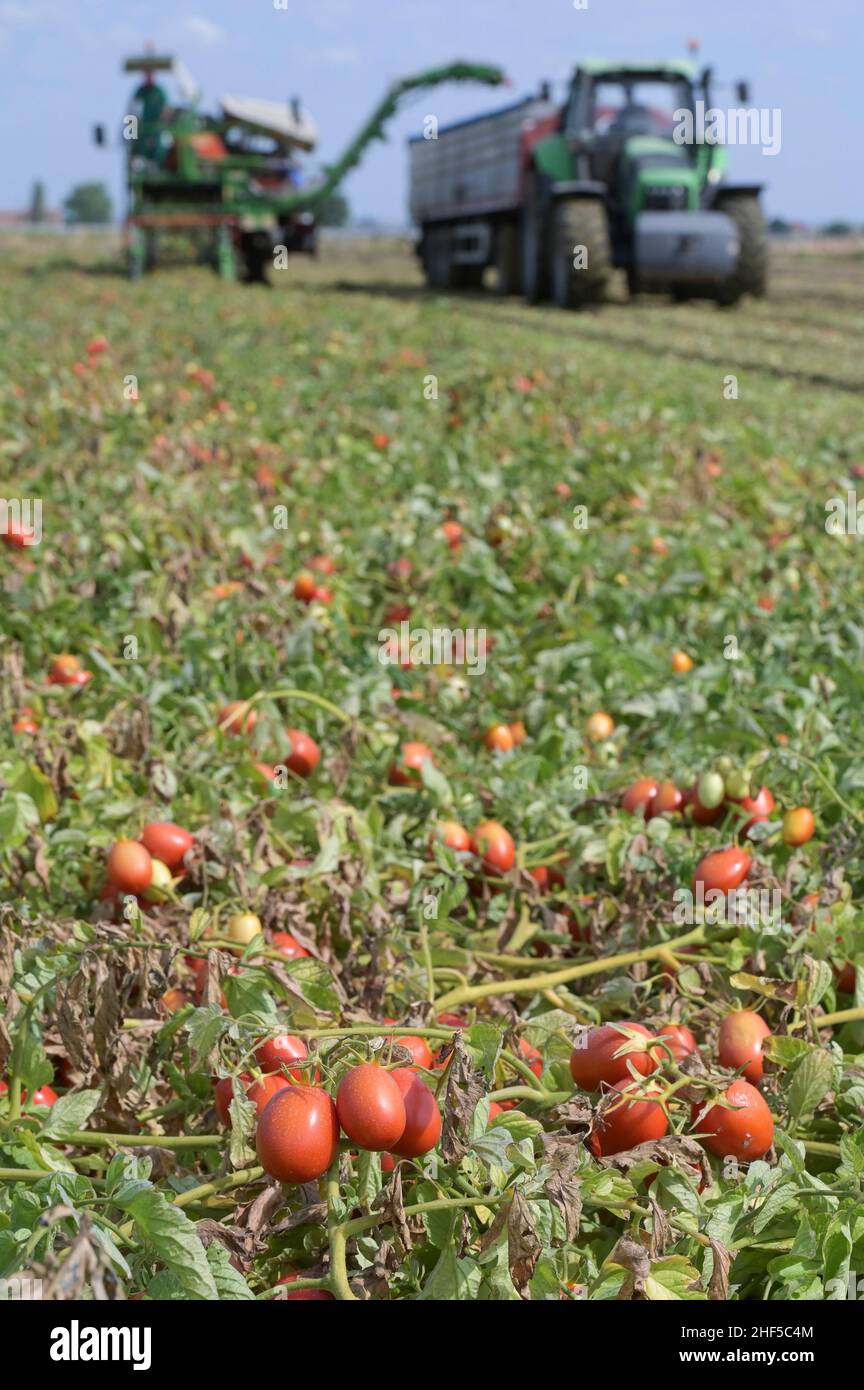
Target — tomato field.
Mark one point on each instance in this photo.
(430, 787)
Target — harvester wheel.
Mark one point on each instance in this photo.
(581, 253)
(508, 259)
(535, 250)
(751, 272)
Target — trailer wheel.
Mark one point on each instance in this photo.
(581, 253)
(751, 272)
(535, 257)
(508, 259)
(437, 259)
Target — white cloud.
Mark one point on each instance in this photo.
(204, 29)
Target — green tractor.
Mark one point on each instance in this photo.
(557, 197)
(233, 182)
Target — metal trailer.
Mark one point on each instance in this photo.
(466, 194)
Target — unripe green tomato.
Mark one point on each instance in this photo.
(711, 790)
(725, 765)
(737, 785)
(159, 889)
(606, 753)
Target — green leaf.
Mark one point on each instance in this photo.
(30, 1060)
(18, 816)
(368, 1177)
(250, 993)
(34, 784)
(174, 1238)
(434, 781)
(43, 1155)
(230, 1284)
(484, 1040)
(241, 1112)
(315, 982)
(205, 1027)
(785, 1050)
(673, 1278)
(70, 1113)
(452, 1279)
(811, 1081)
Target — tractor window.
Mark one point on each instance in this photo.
(637, 107)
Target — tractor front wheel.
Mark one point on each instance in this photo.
(751, 271)
(581, 252)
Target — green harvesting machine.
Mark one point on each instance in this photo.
(234, 181)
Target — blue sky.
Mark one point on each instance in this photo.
(61, 72)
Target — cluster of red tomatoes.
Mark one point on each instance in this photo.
(738, 1124)
(147, 867)
(299, 1124)
(713, 793)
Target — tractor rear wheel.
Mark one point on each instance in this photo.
(751, 272)
(535, 248)
(581, 253)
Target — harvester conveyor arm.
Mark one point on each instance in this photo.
(374, 127)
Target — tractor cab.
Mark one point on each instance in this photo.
(620, 122)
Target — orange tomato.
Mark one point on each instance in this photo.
(304, 586)
(494, 845)
(305, 753)
(638, 795)
(233, 721)
(599, 726)
(499, 737)
(722, 870)
(406, 771)
(454, 835)
(130, 867)
(799, 826)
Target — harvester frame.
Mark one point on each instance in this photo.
(209, 176)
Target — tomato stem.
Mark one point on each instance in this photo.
(337, 1237)
(209, 1189)
(841, 1016)
(99, 1139)
(537, 983)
